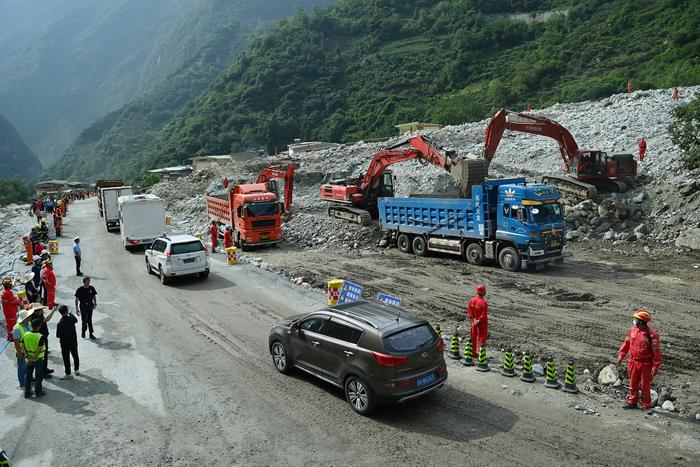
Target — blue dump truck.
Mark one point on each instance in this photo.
(518, 224)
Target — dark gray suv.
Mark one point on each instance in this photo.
(375, 352)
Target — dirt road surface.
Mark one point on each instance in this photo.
(180, 375)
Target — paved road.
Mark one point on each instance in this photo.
(181, 375)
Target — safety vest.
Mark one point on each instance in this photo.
(31, 344)
(22, 331)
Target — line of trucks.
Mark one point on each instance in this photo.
(511, 222)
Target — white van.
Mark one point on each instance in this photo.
(141, 219)
(110, 203)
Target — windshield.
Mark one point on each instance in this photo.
(545, 213)
(262, 209)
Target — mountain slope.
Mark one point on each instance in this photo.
(16, 159)
(354, 70)
(219, 30)
(88, 60)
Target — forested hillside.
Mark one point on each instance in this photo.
(354, 70)
(220, 30)
(16, 159)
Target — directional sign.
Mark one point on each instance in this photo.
(388, 299)
(350, 292)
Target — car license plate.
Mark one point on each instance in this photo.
(425, 380)
(189, 260)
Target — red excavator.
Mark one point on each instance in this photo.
(355, 199)
(586, 169)
(270, 175)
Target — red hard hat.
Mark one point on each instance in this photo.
(481, 289)
(644, 315)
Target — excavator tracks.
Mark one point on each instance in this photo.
(349, 213)
(572, 187)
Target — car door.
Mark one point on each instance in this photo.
(158, 254)
(305, 341)
(338, 347)
(149, 254)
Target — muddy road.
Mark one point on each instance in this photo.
(181, 375)
(580, 309)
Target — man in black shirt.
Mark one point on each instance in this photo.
(65, 331)
(85, 303)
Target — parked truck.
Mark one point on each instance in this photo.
(254, 212)
(110, 206)
(517, 224)
(141, 219)
(99, 184)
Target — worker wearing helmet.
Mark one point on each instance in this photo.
(478, 314)
(10, 306)
(228, 237)
(644, 362)
(49, 279)
(214, 232)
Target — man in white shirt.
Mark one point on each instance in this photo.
(78, 254)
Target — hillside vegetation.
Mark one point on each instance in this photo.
(354, 70)
(219, 30)
(16, 159)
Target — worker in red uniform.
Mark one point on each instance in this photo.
(478, 314)
(10, 306)
(675, 94)
(57, 222)
(228, 240)
(642, 149)
(225, 183)
(49, 280)
(629, 86)
(214, 233)
(644, 362)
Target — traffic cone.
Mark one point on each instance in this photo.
(528, 376)
(454, 347)
(508, 364)
(551, 375)
(438, 330)
(570, 381)
(468, 361)
(482, 363)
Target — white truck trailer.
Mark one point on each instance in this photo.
(110, 205)
(141, 219)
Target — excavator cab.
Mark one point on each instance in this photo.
(386, 185)
(589, 163)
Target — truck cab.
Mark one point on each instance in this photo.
(252, 210)
(531, 217)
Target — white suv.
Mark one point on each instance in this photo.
(177, 255)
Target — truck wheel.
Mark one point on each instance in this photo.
(509, 259)
(475, 254)
(404, 243)
(420, 248)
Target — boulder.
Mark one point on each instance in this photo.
(668, 406)
(585, 205)
(604, 210)
(608, 375)
(573, 234)
(689, 239)
(602, 227)
(654, 398)
(688, 189)
(609, 235)
(538, 369)
(639, 198)
(595, 221)
(641, 229)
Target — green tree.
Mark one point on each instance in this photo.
(685, 132)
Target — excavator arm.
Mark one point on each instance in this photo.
(533, 124)
(419, 148)
(280, 172)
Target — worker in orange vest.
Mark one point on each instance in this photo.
(675, 94)
(29, 247)
(478, 314)
(642, 149)
(643, 345)
(629, 86)
(214, 232)
(228, 240)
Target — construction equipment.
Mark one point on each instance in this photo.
(519, 225)
(270, 175)
(355, 198)
(99, 184)
(587, 170)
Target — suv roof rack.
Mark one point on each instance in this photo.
(354, 316)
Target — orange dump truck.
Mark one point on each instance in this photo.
(252, 210)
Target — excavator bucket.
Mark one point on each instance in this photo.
(467, 172)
